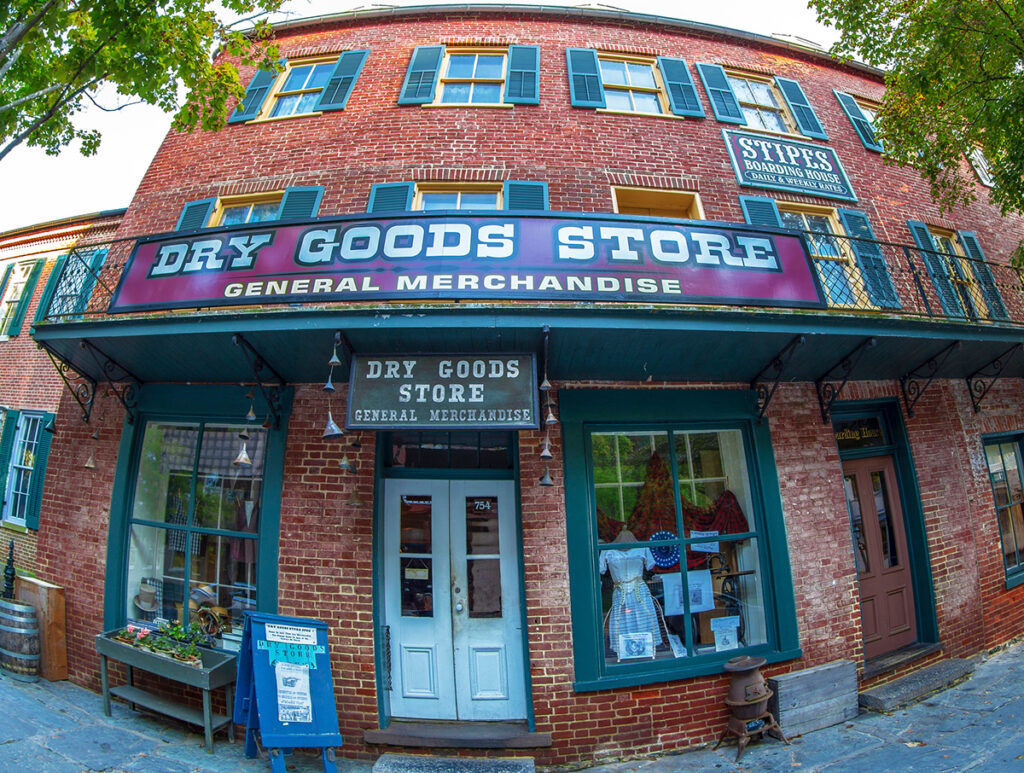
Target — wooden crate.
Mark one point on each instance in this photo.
(814, 697)
(48, 600)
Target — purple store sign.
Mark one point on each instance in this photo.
(441, 256)
(763, 161)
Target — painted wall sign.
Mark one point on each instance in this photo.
(486, 391)
(430, 255)
(763, 161)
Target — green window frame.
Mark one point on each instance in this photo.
(586, 411)
(1004, 455)
(215, 408)
(14, 302)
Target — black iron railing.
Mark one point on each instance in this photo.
(857, 276)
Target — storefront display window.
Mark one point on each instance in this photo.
(195, 526)
(1004, 470)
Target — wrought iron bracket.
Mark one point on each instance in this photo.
(271, 392)
(121, 382)
(831, 383)
(977, 384)
(911, 382)
(772, 372)
(82, 388)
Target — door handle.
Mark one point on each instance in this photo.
(458, 606)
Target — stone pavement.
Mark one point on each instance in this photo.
(975, 726)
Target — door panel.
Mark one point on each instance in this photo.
(452, 600)
(888, 619)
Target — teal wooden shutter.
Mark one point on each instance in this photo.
(525, 195)
(860, 121)
(300, 203)
(421, 77)
(339, 87)
(522, 84)
(195, 214)
(682, 94)
(255, 96)
(6, 444)
(51, 285)
(35, 492)
(760, 210)
(983, 274)
(14, 326)
(723, 101)
(870, 260)
(4, 278)
(806, 119)
(585, 88)
(390, 197)
(936, 267)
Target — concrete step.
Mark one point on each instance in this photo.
(913, 687)
(408, 763)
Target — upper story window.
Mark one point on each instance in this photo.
(304, 87)
(1004, 459)
(16, 286)
(409, 196)
(963, 281)
(658, 203)
(760, 102)
(832, 257)
(863, 115)
(24, 447)
(432, 197)
(472, 76)
(631, 84)
(298, 203)
(981, 167)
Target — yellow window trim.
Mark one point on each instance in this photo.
(689, 205)
(782, 109)
(451, 51)
(282, 78)
(456, 187)
(228, 202)
(658, 90)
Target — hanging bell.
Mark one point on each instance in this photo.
(90, 463)
(545, 452)
(332, 429)
(244, 434)
(354, 499)
(267, 423)
(355, 442)
(334, 358)
(329, 387)
(251, 415)
(95, 435)
(545, 385)
(551, 417)
(345, 464)
(545, 479)
(242, 460)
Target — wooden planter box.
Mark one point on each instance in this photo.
(218, 670)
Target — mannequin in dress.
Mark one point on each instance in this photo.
(633, 609)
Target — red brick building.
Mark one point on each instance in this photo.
(644, 360)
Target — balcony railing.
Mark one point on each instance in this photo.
(857, 276)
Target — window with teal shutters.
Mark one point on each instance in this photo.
(983, 274)
(421, 77)
(799, 106)
(300, 203)
(525, 195)
(51, 285)
(42, 454)
(522, 83)
(24, 449)
(585, 89)
(723, 102)
(72, 281)
(195, 214)
(4, 278)
(8, 430)
(682, 94)
(861, 122)
(760, 210)
(17, 318)
(938, 271)
(255, 95)
(390, 197)
(336, 93)
(873, 268)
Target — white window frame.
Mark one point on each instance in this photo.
(19, 448)
(12, 295)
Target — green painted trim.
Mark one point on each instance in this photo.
(16, 527)
(1015, 579)
(531, 719)
(582, 411)
(177, 403)
(910, 500)
(377, 550)
(430, 473)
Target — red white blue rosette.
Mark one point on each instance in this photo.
(665, 556)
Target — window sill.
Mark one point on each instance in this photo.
(506, 105)
(645, 115)
(783, 135)
(1013, 580)
(277, 118)
(679, 673)
(21, 528)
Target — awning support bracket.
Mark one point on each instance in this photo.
(831, 383)
(772, 372)
(977, 384)
(271, 395)
(127, 386)
(911, 382)
(82, 388)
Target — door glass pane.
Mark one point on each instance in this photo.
(415, 519)
(484, 591)
(484, 574)
(481, 526)
(416, 571)
(885, 525)
(856, 524)
(417, 587)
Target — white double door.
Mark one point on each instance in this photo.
(452, 600)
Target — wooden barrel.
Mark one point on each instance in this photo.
(19, 640)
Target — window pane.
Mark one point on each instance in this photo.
(617, 100)
(641, 75)
(646, 103)
(633, 626)
(319, 77)
(614, 72)
(733, 616)
(880, 491)
(162, 489)
(456, 93)
(856, 524)
(414, 515)
(417, 587)
(222, 584)
(262, 212)
(489, 66)
(285, 105)
(763, 94)
(741, 89)
(772, 121)
(235, 215)
(793, 220)
(461, 66)
(440, 200)
(307, 102)
(297, 78)
(714, 486)
(479, 201)
(487, 93)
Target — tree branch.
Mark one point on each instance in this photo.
(34, 95)
(50, 113)
(18, 30)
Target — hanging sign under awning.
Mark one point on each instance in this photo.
(464, 391)
(764, 161)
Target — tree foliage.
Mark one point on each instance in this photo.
(55, 54)
(954, 82)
